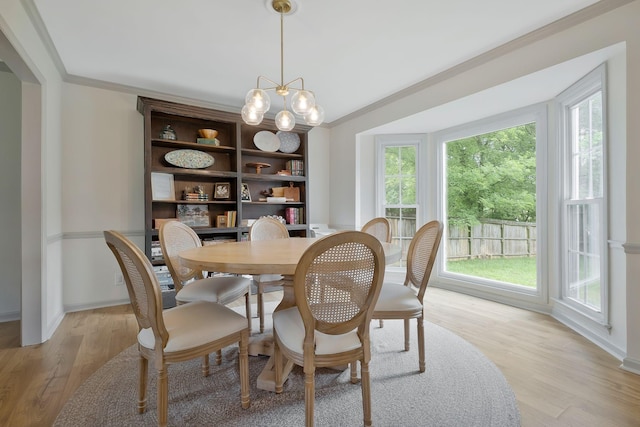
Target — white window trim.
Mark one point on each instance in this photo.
(402, 140)
(484, 287)
(585, 87)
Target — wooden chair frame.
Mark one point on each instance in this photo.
(420, 259)
(276, 230)
(379, 227)
(308, 273)
(182, 275)
(146, 301)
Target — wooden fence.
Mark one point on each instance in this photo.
(492, 238)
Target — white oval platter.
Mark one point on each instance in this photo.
(189, 159)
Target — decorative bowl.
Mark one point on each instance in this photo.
(208, 133)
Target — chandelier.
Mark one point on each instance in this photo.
(303, 102)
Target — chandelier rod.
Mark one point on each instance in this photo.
(282, 47)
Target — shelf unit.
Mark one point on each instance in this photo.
(231, 157)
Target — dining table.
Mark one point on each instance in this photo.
(278, 256)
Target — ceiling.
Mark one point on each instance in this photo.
(350, 53)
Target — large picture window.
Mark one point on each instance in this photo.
(489, 200)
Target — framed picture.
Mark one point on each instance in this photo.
(162, 186)
(221, 221)
(222, 190)
(193, 215)
(245, 195)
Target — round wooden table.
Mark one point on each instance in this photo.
(279, 256)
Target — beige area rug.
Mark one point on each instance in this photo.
(460, 387)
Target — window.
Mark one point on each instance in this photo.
(582, 135)
(398, 188)
(489, 197)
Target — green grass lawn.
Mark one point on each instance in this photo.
(519, 271)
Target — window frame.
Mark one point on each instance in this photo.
(590, 84)
(481, 286)
(419, 141)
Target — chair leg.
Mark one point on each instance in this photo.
(163, 395)
(354, 372)
(248, 307)
(205, 365)
(366, 392)
(309, 394)
(219, 357)
(421, 361)
(406, 334)
(261, 307)
(244, 370)
(381, 323)
(142, 386)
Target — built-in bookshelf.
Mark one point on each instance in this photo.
(218, 185)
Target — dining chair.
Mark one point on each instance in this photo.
(379, 227)
(266, 229)
(336, 285)
(191, 285)
(177, 334)
(405, 301)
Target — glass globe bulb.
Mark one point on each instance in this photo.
(251, 116)
(315, 116)
(285, 120)
(258, 99)
(302, 102)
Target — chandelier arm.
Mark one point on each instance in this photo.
(293, 81)
(275, 85)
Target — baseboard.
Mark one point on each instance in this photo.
(631, 365)
(9, 316)
(563, 317)
(70, 308)
(53, 326)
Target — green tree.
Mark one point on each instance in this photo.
(492, 176)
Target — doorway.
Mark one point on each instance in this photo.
(28, 187)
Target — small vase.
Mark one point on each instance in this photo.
(168, 133)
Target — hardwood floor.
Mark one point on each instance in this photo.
(559, 378)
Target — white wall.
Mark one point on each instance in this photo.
(102, 180)
(350, 188)
(10, 252)
(319, 175)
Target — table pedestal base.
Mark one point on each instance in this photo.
(267, 378)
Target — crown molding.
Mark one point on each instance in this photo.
(41, 29)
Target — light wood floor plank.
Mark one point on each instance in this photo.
(559, 378)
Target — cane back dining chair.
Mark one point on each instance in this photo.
(379, 227)
(178, 334)
(336, 285)
(405, 301)
(191, 285)
(266, 229)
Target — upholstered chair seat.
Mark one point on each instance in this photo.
(190, 326)
(223, 290)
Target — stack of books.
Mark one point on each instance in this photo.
(196, 197)
(296, 167)
(294, 215)
(231, 218)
